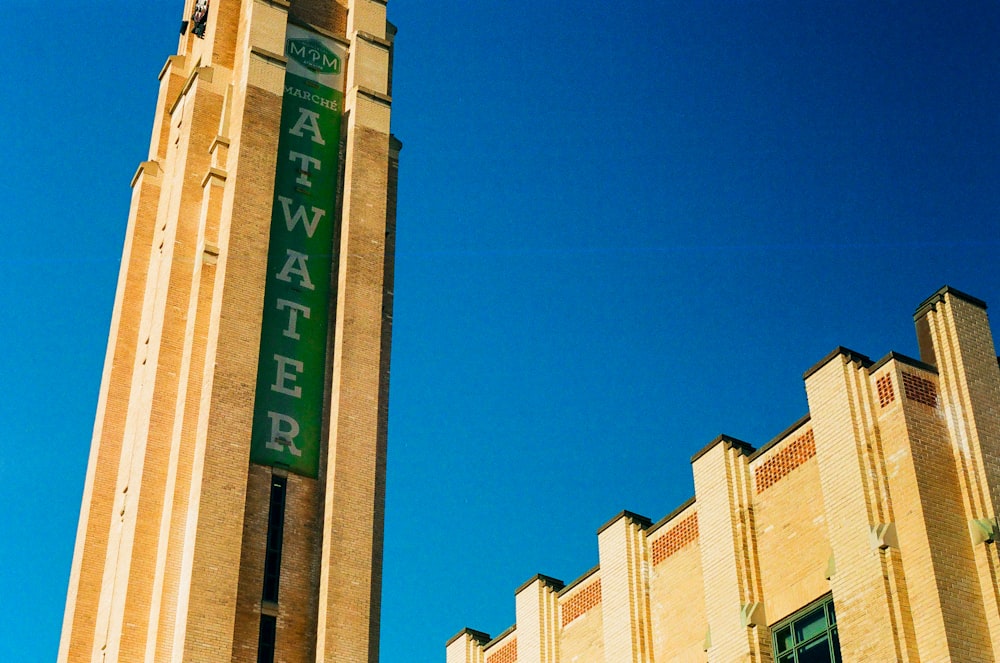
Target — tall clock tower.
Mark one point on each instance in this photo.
(233, 504)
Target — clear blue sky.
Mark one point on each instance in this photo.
(623, 229)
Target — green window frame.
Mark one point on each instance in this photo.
(809, 635)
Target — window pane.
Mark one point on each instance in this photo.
(810, 625)
(808, 637)
(783, 640)
(265, 641)
(817, 651)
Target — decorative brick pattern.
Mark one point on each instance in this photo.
(919, 390)
(505, 654)
(786, 460)
(886, 394)
(581, 602)
(676, 538)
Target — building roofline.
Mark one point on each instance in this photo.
(554, 583)
(478, 636)
(932, 301)
(641, 521)
(731, 442)
(579, 580)
(840, 350)
(510, 629)
(903, 359)
(782, 435)
(670, 516)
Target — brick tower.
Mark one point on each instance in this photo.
(233, 504)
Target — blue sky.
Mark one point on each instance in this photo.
(622, 231)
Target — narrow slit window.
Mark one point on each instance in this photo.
(275, 530)
(265, 641)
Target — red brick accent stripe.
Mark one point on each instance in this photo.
(506, 653)
(920, 390)
(676, 538)
(581, 602)
(773, 469)
(886, 394)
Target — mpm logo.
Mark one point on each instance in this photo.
(313, 55)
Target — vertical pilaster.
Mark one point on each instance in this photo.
(207, 622)
(954, 335)
(934, 544)
(868, 587)
(196, 116)
(100, 488)
(100, 484)
(737, 628)
(160, 629)
(466, 646)
(625, 589)
(350, 575)
(537, 609)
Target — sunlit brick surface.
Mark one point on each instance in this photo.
(886, 394)
(582, 601)
(507, 653)
(677, 537)
(786, 460)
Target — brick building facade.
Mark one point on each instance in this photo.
(183, 543)
(864, 532)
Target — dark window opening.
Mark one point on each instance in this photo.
(265, 641)
(808, 636)
(275, 530)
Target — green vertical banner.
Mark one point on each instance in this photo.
(288, 405)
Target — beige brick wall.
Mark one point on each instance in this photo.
(466, 647)
(502, 649)
(792, 541)
(624, 589)
(582, 640)
(537, 612)
(676, 589)
(728, 551)
(868, 586)
(954, 335)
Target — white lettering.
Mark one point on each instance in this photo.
(330, 104)
(300, 215)
(293, 316)
(305, 162)
(286, 377)
(283, 438)
(296, 264)
(307, 120)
